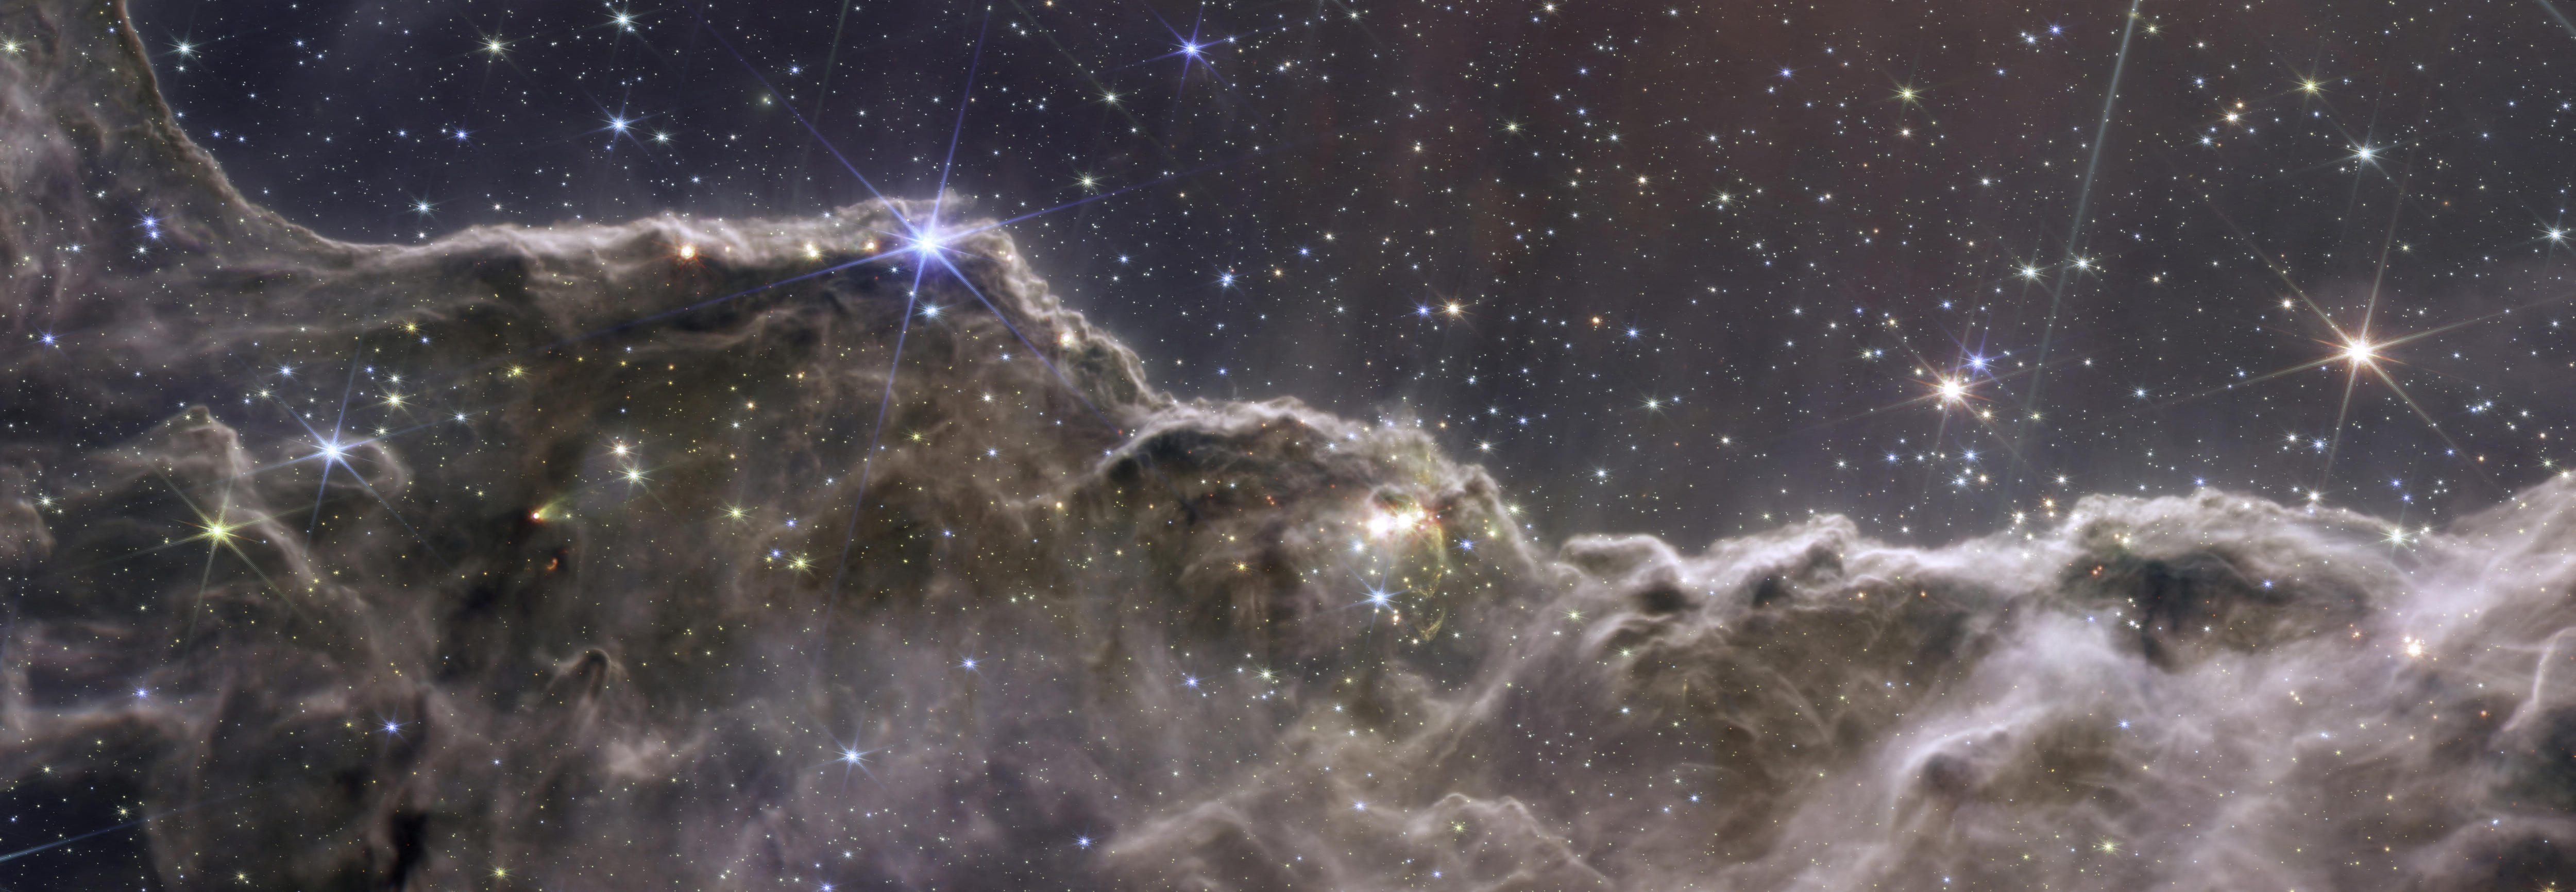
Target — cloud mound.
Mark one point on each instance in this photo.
(579, 558)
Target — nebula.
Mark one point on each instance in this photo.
(751, 554)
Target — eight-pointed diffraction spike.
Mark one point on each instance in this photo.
(1192, 48)
(852, 760)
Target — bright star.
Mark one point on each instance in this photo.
(2359, 352)
(929, 242)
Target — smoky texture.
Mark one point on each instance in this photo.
(579, 558)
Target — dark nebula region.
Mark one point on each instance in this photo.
(834, 550)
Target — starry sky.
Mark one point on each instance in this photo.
(1692, 269)
(567, 446)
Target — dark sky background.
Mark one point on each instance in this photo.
(1691, 269)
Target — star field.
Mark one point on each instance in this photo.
(1688, 269)
(1335, 445)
